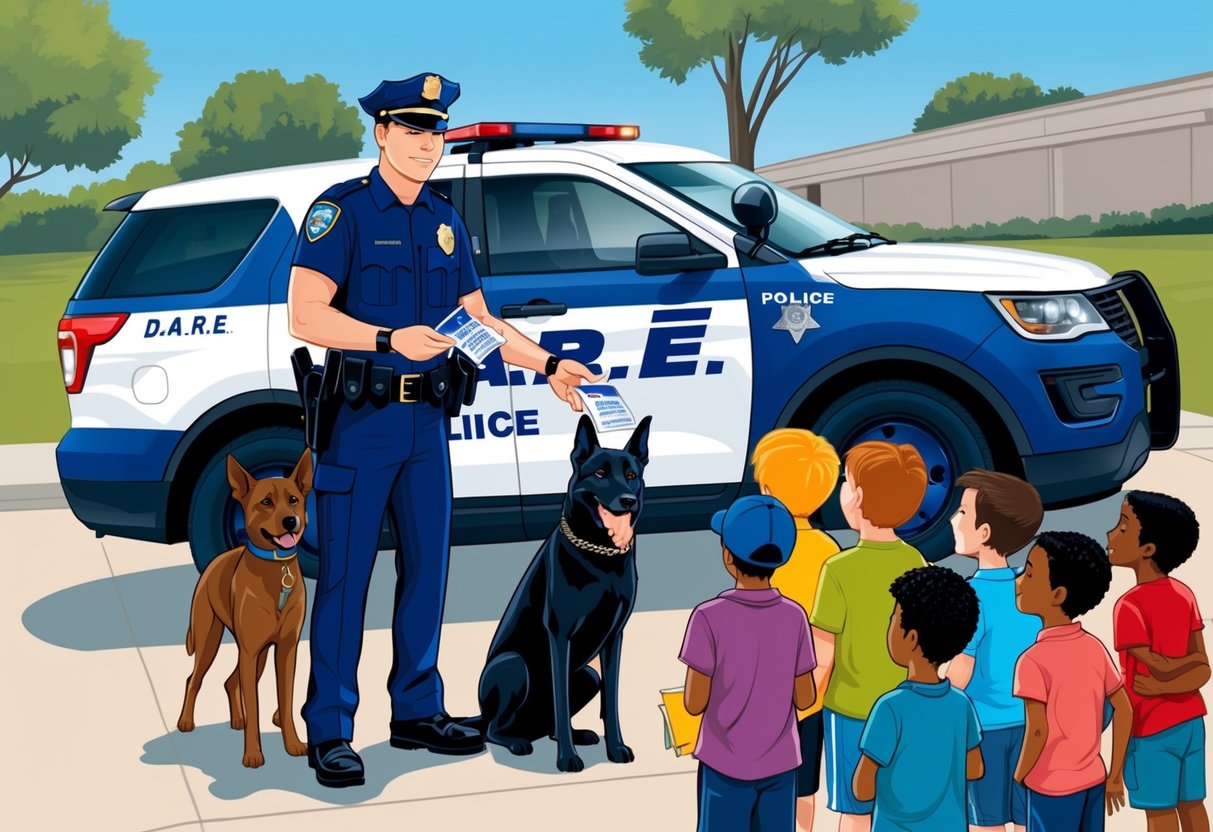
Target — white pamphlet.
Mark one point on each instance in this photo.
(606, 407)
(472, 338)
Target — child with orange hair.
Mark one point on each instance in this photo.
(883, 486)
(800, 469)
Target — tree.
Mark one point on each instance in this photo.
(682, 35)
(259, 120)
(71, 88)
(981, 94)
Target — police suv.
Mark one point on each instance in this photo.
(722, 318)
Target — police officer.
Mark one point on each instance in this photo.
(381, 260)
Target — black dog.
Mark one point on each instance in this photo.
(571, 606)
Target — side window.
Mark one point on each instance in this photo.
(170, 251)
(538, 224)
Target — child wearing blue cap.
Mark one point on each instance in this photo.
(748, 747)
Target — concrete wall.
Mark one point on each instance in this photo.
(1129, 150)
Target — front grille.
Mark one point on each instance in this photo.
(1113, 310)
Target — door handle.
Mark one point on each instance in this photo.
(534, 309)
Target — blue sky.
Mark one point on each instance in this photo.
(570, 60)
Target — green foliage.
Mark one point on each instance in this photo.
(33, 221)
(71, 88)
(679, 36)
(982, 94)
(259, 120)
(1170, 219)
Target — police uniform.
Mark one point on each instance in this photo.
(394, 266)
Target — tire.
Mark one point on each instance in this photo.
(944, 432)
(216, 522)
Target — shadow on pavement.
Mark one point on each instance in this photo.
(217, 750)
(677, 571)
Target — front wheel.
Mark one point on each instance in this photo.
(939, 427)
(216, 521)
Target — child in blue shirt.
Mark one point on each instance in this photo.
(998, 515)
(922, 739)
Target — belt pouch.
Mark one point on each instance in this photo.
(381, 384)
(355, 380)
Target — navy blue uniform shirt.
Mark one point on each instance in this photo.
(394, 265)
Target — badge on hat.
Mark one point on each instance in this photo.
(432, 87)
(446, 238)
(322, 217)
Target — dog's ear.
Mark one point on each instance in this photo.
(638, 445)
(302, 475)
(239, 479)
(586, 441)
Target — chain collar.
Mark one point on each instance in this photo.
(591, 547)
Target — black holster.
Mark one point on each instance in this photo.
(319, 393)
(463, 377)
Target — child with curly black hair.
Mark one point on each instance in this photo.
(1064, 679)
(922, 739)
(1157, 631)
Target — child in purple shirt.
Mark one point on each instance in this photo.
(749, 658)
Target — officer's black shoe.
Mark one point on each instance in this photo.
(337, 764)
(438, 733)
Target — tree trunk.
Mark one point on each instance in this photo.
(16, 178)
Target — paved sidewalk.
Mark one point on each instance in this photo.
(95, 672)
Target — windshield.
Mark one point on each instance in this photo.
(710, 185)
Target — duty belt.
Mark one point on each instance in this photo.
(379, 384)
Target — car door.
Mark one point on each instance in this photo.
(561, 246)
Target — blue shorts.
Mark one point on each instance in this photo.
(1167, 768)
(808, 775)
(727, 804)
(1078, 812)
(842, 758)
(996, 799)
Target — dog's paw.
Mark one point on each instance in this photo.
(569, 763)
(296, 748)
(185, 724)
(620, 753)
(237, 722)
(254, 759)
(520, 748)
(277, 720)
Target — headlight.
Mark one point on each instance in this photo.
(1049, 316)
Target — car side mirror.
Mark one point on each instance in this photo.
(755, 207)
(671, 252)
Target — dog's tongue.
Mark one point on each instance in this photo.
(287, 541)
(619, 527)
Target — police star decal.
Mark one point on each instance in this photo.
(796, 318)
(320, 220)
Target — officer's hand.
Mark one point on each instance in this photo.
(419, 343)
(570, 374)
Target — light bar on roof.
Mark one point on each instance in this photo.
(532, 131)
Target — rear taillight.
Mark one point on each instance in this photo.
(78, 336)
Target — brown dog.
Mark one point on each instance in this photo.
(258, 594)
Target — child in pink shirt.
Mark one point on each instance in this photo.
(1064, 679)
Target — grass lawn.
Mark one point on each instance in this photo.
(35, 287)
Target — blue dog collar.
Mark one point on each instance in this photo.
(270, 554)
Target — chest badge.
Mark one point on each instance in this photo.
(320, 220)
(446, 238)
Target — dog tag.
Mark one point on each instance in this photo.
(282, 596)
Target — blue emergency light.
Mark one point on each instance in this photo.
(539, 132)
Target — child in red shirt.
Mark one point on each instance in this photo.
(1157, 631)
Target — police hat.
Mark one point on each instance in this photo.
(420, 102)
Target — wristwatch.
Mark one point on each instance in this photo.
(383, 341)
(549, 369)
